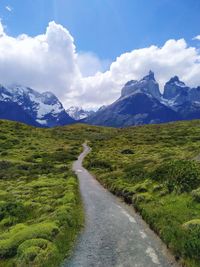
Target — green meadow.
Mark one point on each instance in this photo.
(40, 207)
(154, 168)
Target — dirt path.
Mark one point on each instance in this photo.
(114, 234)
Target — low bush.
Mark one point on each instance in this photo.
(13, 209)
(196, 194)
(101, 164)
(35, 251)
(142, 197)
(192, 243)
(135, 172)
(18, 234)
(179, 175)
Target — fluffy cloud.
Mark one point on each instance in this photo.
(44, 62)
(196, 38)
(89, 64)
(173, 58)
(50, 62)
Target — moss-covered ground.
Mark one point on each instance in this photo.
(40, 207)
(155, 168)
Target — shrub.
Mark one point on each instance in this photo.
(101, 164)
(18, 234)
(8, 221)
(191, 225)
(196, 194)
(192, 240)
(13, 209)
(142, 187)
(180, 175)
(35, 252)
(135, 172)
(142, 197)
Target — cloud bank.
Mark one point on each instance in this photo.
(50, 62)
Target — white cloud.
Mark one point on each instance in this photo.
(8, 8)
(173, 58)
(1, 29)
(196, 38)
(44, 62)
(50, 62)
(89, 64)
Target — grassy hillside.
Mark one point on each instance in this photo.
(40, 207)
(156, 169)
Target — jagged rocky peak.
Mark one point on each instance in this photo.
(174, 88)
(149, 77)
(176, 81)
(147, 85)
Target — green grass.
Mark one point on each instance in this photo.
(40, 207)
(155, 168)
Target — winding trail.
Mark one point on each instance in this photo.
(114, 234)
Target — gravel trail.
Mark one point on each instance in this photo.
(114, 235)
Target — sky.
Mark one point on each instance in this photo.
(85, 50)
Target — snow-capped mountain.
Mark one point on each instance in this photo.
(78, 113)
(31, 107)
(142, 103)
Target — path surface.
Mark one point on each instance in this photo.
(114, 234)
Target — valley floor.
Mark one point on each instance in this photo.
(154, 168)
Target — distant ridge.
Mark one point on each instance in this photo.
(26, 105)
(141, 102)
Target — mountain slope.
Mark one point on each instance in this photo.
(78, 113)
(139, 103)
(142, 103)
(182, 99)
(136, 109)
(12, 111)
(26, 105)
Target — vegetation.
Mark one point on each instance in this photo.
(156, 169)
(40, 207)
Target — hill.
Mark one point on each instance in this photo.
(40, 207)
(155, 168)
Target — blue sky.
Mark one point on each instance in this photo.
(106, 27)
(84, 51)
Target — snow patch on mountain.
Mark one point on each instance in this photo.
(44, 108)
(78, 113)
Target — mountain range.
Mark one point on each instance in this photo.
(26, 105)
(141, 102)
